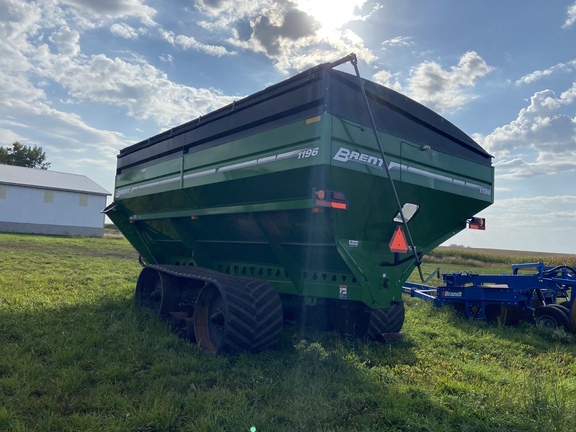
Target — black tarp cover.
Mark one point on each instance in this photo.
(308, 94)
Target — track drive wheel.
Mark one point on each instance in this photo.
(386, 320)
(551, 316)
(236, 315)
(157, 291)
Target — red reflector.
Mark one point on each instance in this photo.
(337, 205)
(477, 223)
(398, 242)
(329, 198)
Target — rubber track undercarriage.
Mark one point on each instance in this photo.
(223, 313)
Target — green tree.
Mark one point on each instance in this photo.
(21, 155)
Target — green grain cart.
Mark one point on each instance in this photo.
(311, 201)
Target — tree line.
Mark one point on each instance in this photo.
(24, 156)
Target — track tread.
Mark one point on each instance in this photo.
(254, 314)
(269, 315)
(386, 320)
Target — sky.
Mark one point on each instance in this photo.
(83, 79)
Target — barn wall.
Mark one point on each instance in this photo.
(44, 211)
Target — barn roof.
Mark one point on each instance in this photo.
(44, 179)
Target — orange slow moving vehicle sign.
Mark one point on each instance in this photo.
(398, 242)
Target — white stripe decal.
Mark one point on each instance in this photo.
(200, 174)
(226, 168)
(394, 166)
(238, 166)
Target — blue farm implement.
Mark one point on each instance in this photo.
(533, 291)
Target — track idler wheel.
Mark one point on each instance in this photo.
(157, 291)
(362, 321)
(185, 329)
(552, 316)
(386, 320)
(236, 315)
(174, 319)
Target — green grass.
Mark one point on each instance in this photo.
(75, 355)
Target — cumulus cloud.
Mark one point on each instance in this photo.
(143, 90)
(19, 20)
(55, 130)
(398, 41)
(294, 34)
(294, 25)
(8, 136)
(106, 10)
(540, 141)
(188, 42)
(539, 74)
(47, 81)
(334, 14)
(571, 16)
(88, 14)
(215, 6)
(124, 30)
(569, 96)
(444, 90)
(66, 41)
(388, 79)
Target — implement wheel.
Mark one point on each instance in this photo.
(573, 317)
(551, 317)
(236, 315)
(562, 308)
(505, 314)
(157, 291)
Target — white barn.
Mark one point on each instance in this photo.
(48, 202)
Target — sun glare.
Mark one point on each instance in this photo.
(331, 14)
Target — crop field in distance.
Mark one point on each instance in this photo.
(76, 355)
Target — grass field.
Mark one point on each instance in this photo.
(75, 355)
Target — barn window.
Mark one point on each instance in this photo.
(83, 200)
(3, 191)
(48, 196)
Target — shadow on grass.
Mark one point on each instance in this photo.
(109, 366)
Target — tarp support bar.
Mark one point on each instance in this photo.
(354, 60)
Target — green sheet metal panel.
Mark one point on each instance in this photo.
(240, 201)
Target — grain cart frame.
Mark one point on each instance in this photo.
(312, 200)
